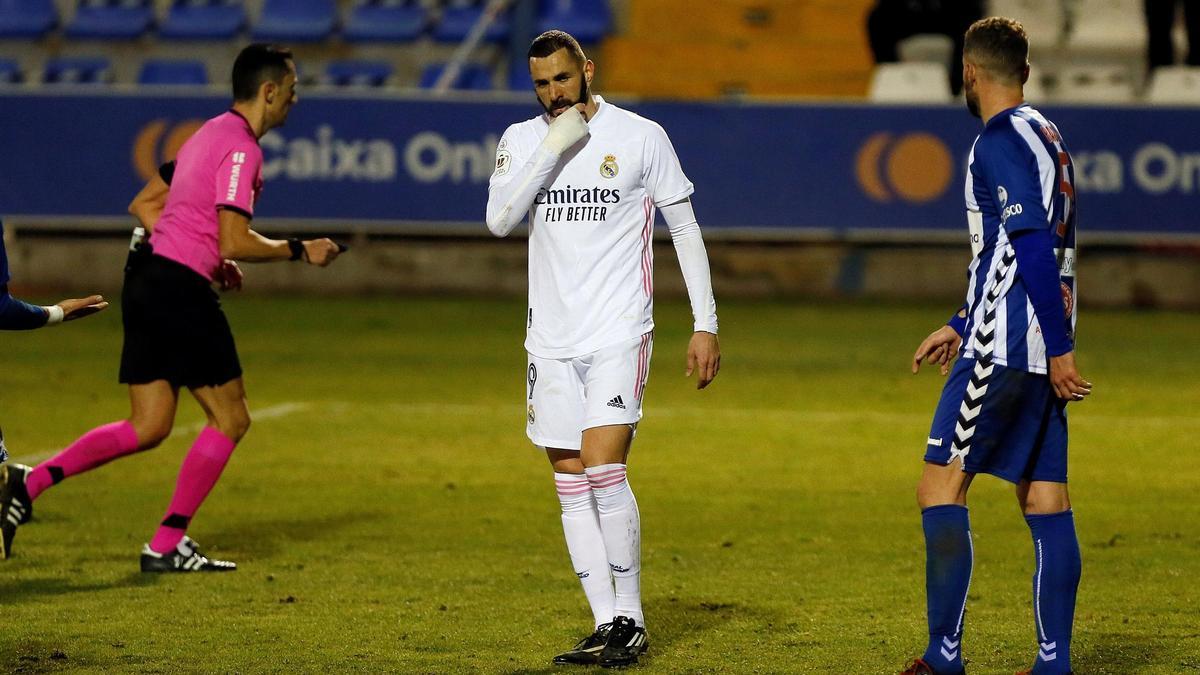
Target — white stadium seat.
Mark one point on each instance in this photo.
(1108, 26)
(910, 83)
(1044, 20)
(926, 48)
(1175, 85)
(1035, 90)
(1094, 84)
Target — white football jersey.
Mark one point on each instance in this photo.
(591, 263)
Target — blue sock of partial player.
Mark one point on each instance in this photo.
(1055, 580)
(948, 559)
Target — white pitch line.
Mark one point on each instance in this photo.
(268, 413)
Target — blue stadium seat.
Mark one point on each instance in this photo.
(519, 79)
(354, 73)
(295, 21)
(385, 21)
(459, 17)
(111, 19)
(587, 20)
(172, 71)
(473, 77)
(203, 20)
(74, 70)
(26, 18)
(10, 72)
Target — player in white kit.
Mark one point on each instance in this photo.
(590, 177)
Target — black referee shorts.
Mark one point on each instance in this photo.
(174, 328)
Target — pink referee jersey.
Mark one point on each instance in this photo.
(220, 166)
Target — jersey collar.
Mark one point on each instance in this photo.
(249, 129)
(1006, 113)
(601, 106)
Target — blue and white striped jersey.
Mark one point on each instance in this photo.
(1019, 177)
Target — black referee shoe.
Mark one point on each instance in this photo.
(16, 508)
(587, 651)
(626, 642)
(185, 558)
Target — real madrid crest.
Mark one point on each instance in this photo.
(609, 168)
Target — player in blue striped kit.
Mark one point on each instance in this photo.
(1003, 409)
(17, 314)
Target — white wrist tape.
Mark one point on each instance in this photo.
(56, 314)
(565, 131)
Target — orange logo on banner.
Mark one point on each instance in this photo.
(149, 152)
(915, 167)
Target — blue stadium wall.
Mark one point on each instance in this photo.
(405, 163)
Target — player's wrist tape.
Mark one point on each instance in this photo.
(958, 323)
(297, 248)
(565, 131)
(55, 314)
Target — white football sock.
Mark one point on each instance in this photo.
(622, 528)
(585, 543)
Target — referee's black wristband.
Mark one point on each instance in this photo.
(297, 248)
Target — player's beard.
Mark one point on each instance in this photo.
(972, 100)
(584, 94)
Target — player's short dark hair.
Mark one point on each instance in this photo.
(999, 45)
(553, 40)
(256, 64)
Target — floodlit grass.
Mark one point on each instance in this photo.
(388, 513)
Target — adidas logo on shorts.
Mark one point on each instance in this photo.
(617, 402)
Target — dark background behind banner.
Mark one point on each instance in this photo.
(832, 167)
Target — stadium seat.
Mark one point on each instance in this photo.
(295, 21)
(519, 80)
(1108, 27)
(111, 19)
(1179, 85)
(170, 71)
(473, 77)
(1035, 88)
(910, 83)
(358, 73)
(10, 72)
(203, 20)
(588, 20)
(75, 70)
(1094, 84)
(385, 21)
(926, 48)
(1044, 20)
(459, 17)
(26, 18)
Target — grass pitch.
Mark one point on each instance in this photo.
(388, 513)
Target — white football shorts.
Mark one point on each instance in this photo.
(566, 396)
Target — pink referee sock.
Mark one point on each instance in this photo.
(98, 446)
(201, 469)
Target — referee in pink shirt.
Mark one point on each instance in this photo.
(175, 332)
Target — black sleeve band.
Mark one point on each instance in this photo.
(167, 172)
(297, 248)
(231, 207)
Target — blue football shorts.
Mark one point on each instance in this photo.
(1001, 421)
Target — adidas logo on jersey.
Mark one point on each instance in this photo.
(617, 402)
